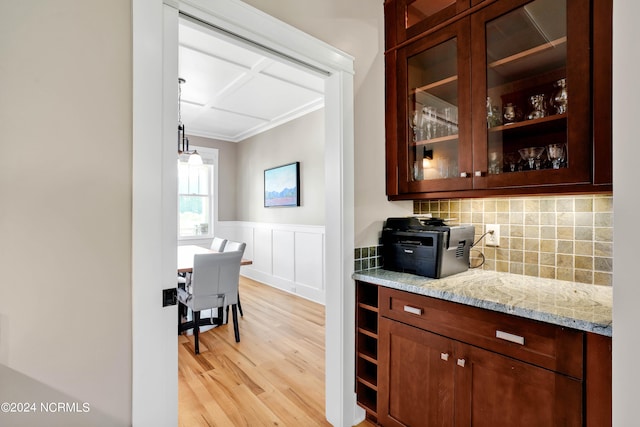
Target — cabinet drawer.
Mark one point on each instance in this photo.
(549, 346)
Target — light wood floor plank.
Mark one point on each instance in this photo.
(273, 377)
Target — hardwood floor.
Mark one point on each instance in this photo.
(273, 376)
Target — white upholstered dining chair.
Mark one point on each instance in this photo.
(212, 284)
(231, 246)
(218, 244)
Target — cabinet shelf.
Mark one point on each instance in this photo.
(368, 307)
(532, 61)
(544, 121)
(435, 140)
(369, 333)
(442, 93)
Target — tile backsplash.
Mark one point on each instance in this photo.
(559, 237)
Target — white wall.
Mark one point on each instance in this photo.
(300, 140)
(357, 28)
(65, 198)
(626, 152)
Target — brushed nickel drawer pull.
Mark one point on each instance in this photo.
(413, 310)
(510, 337)
(444, 356)
(461, 362)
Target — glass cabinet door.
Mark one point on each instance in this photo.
(532, 120)
(436, 110)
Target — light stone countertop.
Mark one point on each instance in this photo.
(574, 305)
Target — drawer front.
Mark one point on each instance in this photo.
(549, 346)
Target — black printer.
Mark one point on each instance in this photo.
(427, 247)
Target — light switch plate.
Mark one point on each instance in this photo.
(492, 239)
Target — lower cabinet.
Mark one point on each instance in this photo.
(429, 380)
(439, 363)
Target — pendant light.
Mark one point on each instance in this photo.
(183, 142)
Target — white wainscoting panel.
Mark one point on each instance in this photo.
(288, 257)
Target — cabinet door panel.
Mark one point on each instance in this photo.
(415, 378)
(433, 111)
(494, 390)
(532, 76)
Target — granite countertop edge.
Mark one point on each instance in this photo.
(573, 305)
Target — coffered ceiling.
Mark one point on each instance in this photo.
(234, 91)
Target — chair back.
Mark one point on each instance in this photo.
(218, 244)
(232, 246)
(215, 275)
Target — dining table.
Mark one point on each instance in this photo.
(186, 253)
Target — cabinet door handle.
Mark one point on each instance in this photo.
(444, 356)
(461, 362)
(479, 173)
(510, 337)
(413, 310)
(464, 175)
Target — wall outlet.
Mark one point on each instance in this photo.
(492, 239)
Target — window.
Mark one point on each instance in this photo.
(195, 198)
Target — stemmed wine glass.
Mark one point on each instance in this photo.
(532, 154)
(430, 118)
(556, 154)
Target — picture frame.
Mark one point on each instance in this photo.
(282, 186)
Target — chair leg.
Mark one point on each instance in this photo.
(196, 330)
(236, 330)
(239, 305)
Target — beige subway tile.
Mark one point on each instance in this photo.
(516, 205)
(531, 257)
(603, 234)
(583, 247)
(565, 247)
(584, 233)
(603, 249)
(531, 270)
(516, 217)
(548, 204)
(583, 276)
(564, 205)
(516, 231)
(548, 245)
(563, 260)
(477, 217)
(502, 218)
(531, 218)
(532, 245)
(465, 217)
(603, 219)
(565, 219)
(532, 205)
(547, 259)
(455, 207)
(489, 252)
(564, 233)
(547, 218)
(547, 272)
(465, 205)
(502, 266)
(434, 206)
(584, 204)
(603, 264)
(489, 264)
(600, 278)
(516, 256)
(584, 219)
(584, 262)
(502, 254)
(564, 274)
(603, 204)
(477, 205)
(516, 243)
(490, 218)
(547, 232)
(516, 267)
(502, 205)
(490, 205)
(532, 231)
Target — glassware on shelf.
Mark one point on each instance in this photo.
(511, 114)
(512, 159)
(495, 163)
(493, 114)
(556, 154)
(429, 114)
(532, 156)
(560, 97)
(538, 106)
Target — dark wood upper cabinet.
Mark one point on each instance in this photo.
(497, 97)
